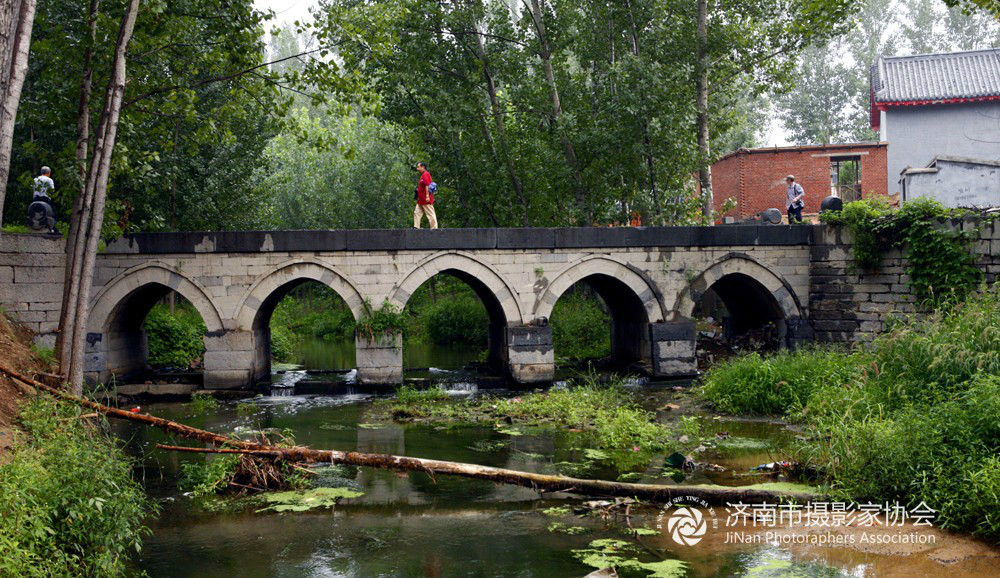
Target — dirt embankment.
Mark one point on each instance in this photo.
(16, 353)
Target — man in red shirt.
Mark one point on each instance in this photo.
(425, 198)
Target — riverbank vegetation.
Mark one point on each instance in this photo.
(912, 416)
(69, 505)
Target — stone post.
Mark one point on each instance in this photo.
(530, 358)
(672, 348)
(380, 361)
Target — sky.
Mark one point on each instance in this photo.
(292, 10)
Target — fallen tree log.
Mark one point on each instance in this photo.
(150, 420)
(537, 482)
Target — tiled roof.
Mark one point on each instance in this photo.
(930, 77)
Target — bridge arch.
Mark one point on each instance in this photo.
(269, 288)
(632, 299)
(493, 290)
(254, 310)
(496, 294)
(116, 341)
(753, 293)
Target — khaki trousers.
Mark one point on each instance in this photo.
(419, 211)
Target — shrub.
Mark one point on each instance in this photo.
(282, 344)
(174, 340)
(782, 383)
(460, 321)
(68, 503)
(377, 323)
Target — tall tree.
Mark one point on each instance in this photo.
(817, 110)
(95, 193)
(17, 18)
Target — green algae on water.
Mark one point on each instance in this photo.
(302, 501)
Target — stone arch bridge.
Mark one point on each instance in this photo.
(650, 278)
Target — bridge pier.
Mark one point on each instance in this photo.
(530, 357)
(231, 360)
(672, 348)
(380, 360)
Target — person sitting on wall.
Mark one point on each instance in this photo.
(38, 215)
(795, 200)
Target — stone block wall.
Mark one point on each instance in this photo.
(847, 305)
(31, 282)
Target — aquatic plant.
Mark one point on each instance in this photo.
(304, 500)
(202, 402)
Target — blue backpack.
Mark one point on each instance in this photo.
(432, 188)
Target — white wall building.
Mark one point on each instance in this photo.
(931, 106)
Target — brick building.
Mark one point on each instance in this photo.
(756, 177)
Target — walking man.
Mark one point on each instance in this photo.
(795, 203)
(425, 198)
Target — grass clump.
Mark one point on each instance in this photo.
(68, 503)
(782, 383)
(606, 415)
(202, 402)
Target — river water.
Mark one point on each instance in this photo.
(411, 525)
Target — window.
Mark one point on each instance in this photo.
(845, 178)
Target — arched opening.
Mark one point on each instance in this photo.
(303, 324)
(454, 320)
(152, 334)
(739, 305)
(739, 308)
(600, 321)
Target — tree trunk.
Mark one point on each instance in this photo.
(701, 89)
(96, 192)
(495, 109)
(545, 53)
(16, 20)
(68, 309)
(647, 141)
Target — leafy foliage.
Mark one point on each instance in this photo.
(914, 417)
(386, 321)
(68, 503)
(175, 340)
(581, 327)
(535, 117)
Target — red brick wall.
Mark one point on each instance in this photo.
(726, 182)
(758, 175)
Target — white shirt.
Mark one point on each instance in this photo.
(43, 186)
